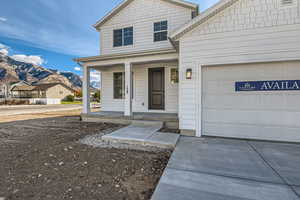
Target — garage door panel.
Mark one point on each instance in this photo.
(285, 102)
(292, 101)
(257, 72)
(257, 114)
(230, 130)
(230, 73)
(276, 133)
(252, 117)
(219, 87)
(228, 101)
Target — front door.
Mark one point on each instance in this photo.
(157, 88)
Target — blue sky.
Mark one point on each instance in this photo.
(52, 32)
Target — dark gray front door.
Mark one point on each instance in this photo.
(157, 88)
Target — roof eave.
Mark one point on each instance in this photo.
(111, 13)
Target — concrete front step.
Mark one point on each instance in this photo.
(170, 120)
(142, 134)
(147, 123)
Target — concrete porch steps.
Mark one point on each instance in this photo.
(170, 120)
(143, 133)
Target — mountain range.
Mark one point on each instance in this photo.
(12, 70)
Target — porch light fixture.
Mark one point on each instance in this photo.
(189, 73)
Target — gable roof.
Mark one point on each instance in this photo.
(46, 86)
(19, 83)
(203, 17)
(124, 3)
(22, 88)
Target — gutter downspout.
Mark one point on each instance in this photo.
(173, 44)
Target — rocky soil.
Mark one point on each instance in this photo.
(42, 159)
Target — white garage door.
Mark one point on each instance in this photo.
(267, 115)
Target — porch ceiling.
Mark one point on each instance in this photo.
(163, 55)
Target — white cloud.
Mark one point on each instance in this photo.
(4, 52)
(2, 46)
(3, 19)
(77, 68)
(36, 60)
(4, 49)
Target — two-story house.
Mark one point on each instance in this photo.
(231, 71)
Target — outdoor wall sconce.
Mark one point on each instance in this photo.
(189, 73)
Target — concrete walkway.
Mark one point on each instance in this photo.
(143, 134)
(224, 169)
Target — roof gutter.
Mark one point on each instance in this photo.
(173, 43)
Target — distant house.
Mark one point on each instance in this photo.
(53, 91)
(5, 88)
(19, 83)
(23, 91)
(49, 93)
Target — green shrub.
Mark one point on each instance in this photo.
(69, 98)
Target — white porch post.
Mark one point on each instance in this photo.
(86, 90)
(198, 91)
(128, 88)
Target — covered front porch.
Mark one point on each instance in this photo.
(135, 86)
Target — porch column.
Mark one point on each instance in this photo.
(86, 90)
(128, 89)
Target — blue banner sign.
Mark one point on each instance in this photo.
(267, 85)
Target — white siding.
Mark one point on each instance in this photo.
(248, 31)
(141, 14)
(108, 103)
(140, 89)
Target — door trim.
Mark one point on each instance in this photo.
(150, 91)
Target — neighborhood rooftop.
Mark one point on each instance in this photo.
(41, 86)
(45, 86)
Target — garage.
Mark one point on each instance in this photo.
(271, 113)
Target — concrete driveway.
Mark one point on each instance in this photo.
(225, 169)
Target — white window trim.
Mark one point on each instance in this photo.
(123, 38)
(160, 31)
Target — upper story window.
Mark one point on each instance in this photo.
(160, 31)
(123, 37)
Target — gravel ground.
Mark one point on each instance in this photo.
(42, 159)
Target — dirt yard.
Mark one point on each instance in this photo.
(41, 159)
(49, 114)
